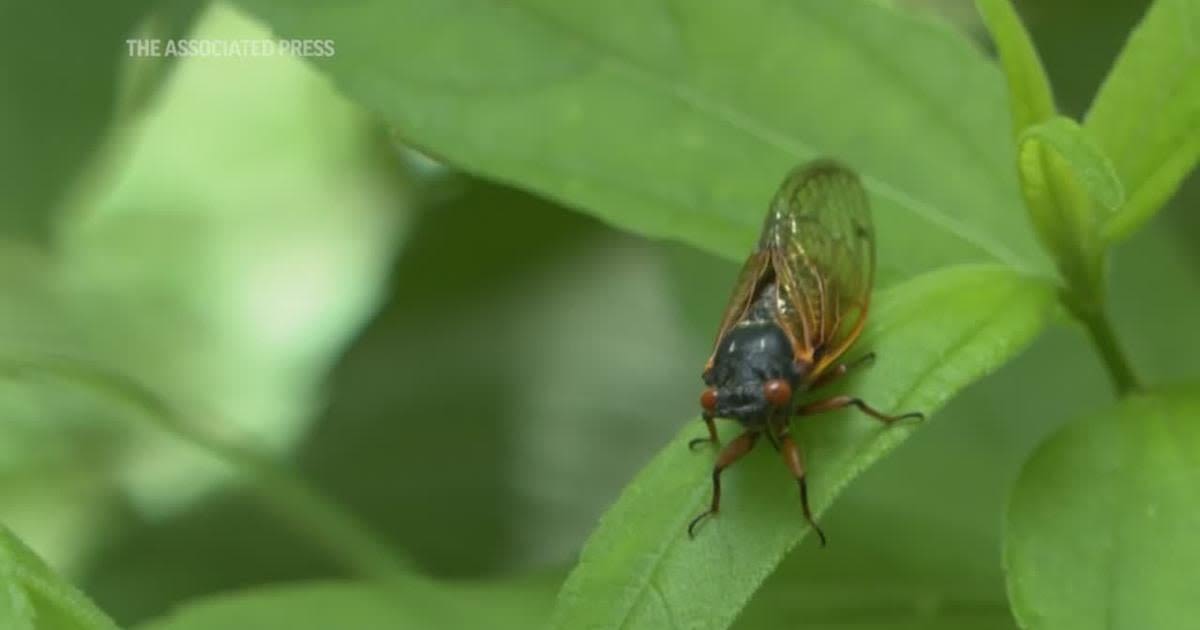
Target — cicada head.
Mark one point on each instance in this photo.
(753, 374)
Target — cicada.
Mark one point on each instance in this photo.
(800, 303)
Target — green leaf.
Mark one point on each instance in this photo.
(1086, 160)
(679, 122)
(934, 335)
(1065, 177)
(873, 605)
(1103, 520)
(58, 75)
(1058, 203)
(408, 604)
(32, 597)
(1147, 114)
(1057, 165)
(1029, 93)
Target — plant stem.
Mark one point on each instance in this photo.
(327, 524)
(1095, 320)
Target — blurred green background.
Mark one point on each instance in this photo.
(256, 248)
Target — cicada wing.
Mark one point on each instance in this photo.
(743, 293)
(822, 248)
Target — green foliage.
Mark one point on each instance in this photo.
(33, 597)
(1146, 116)
(937, 333)
(1064, 179)
(173, 278)
(1086, 161)
(1054, 160)
(404, 604)
(679, 122)
(1102, 524)
(56, 105)
(1029, 91)
(213, 267)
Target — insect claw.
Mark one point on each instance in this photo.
(691, 529)
(695, 442)
(800, 479)
(820, 534)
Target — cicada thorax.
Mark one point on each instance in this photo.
(753, 372)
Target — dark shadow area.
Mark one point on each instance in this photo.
(401, 443)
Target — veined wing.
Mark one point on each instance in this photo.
(822, 248)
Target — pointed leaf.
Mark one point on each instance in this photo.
(1147, 114)
(1029, 93)
(1056, 197)
(934, 335)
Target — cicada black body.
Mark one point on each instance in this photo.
(800, 303)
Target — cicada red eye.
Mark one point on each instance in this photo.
(708, 399)
(777, 392)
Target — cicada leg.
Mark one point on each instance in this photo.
(730, 454)
(712, 435)
(794, 458)
(838, 402)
